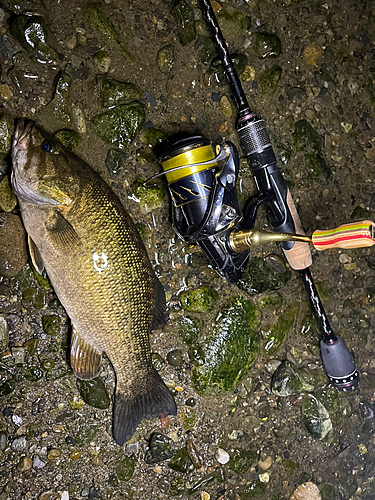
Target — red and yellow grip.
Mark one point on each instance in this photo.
(354, 235)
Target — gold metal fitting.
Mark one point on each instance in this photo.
(240, 241)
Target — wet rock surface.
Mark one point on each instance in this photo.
(112, 80)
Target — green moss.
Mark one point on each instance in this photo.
(152, 137)
(269, 79)
(6, 130)
(229, 349)
(216, 67)
(34, 36)
(242, 460)
(309, 142)
(255, 489)
(180, 462)
(51, 324)
(185, 23)
(205, 48)
(149, 196)
(56, 115)
(290, 467)
(201, 299)
(113, 92)
(266, 45)
(125, 469)
(165, 59)
(189, 328)
(96, 19)
(94, 393)
(288, 380)
(231, 22)
(119, 125)
(259, 277)
(157, 361)
(274, 336)
(68, 138)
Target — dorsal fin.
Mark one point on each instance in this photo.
(36, 258)
(84, 358)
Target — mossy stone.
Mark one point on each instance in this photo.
(165, 59)
(205, 48)
(347, 487)
(102, 61)
(181, 461)
(57, 115)
(308, 142)
(185, 23)
(125, 469)
(119, 125)
(231, 22)
(260, 277)
(94, 393)
(328, 491)
(68, 138)
(266, 45)
(157, 361)
(150, 196)
(288, 380)
(33, 373)
(8, 200)
(97, 19)
(33, 35)
(115, 161)
(201, 299)
(230, 348)
(187, 418)
(315, 417)
(254, 490)
(175, 358)
(189, 328)
(177, 486)
(290, 466)
(87, 432)
(152, 137)
(161, 448)
(269, 79)
(6, 130)
(242, 460)
(51, 325)
(274, 335)
(113, 92)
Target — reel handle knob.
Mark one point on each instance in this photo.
(353, 235)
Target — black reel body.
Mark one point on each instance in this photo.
(205, 206)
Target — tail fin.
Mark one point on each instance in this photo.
(130, 409)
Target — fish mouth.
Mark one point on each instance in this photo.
(22, 134)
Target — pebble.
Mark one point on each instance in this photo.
(24, 464)
(75, 455)
(222, 456)
(53, 454)
(13, 251)
(4, 334)
(19, 444)
(312, 54)
(264, 478)
(306, 491)
(265, 464)
(18, 354)
(345, 259)
(38, 463)
(5, 93)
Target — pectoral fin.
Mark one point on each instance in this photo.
(62, 232)
(84, 358)
(36, 258)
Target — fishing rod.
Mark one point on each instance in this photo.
(282, 213)
(206, 211)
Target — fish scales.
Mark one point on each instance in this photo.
(99, 269)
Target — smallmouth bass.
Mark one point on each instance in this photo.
(81, 234)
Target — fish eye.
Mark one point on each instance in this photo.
(46, 146)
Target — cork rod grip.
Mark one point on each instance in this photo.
(299, 256)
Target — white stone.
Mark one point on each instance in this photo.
(222, 456)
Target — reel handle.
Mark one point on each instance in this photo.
(299, 256)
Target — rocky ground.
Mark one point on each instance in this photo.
(256, 418)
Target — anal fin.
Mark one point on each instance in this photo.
(160, 312)
(36, 258)
(84, 358)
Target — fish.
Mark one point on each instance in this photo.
(81, 234)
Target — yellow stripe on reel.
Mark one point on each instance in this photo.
(189, 158)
